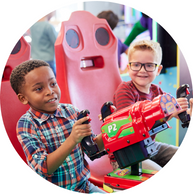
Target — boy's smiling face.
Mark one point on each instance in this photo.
(41, 90)
(143, 79)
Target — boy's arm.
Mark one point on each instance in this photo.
(123, 96)
(79, 131)
(56, 158)
(99, 141)
(183, 102)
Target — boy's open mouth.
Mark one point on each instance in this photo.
(52, 100)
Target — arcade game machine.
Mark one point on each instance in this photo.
(11, 108)
(128, 135)
(88, 75)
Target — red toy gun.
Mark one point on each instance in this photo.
(128, 132)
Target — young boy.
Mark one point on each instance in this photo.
(144, 65)
(49, 132)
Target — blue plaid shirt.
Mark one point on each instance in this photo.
(40, 134)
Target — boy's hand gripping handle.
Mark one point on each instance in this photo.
(89, 146)
(183, 92)
(82, 114)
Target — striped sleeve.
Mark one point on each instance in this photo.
(124, 96)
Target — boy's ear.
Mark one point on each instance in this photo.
(159, 69)
(22, 99)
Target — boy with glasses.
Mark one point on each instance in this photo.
(144, 65)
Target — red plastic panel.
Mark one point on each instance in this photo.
(20, 53)
(12, 109)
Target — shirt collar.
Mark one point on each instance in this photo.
(41, 117)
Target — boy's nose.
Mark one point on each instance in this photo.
(49, 91)
(142, 68)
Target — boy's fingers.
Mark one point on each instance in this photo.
(100, 117)
(82, 120)
(113, 107)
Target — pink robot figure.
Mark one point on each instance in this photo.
(86, 63)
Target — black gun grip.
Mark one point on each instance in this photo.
(89, 146)
(82, 114)
(182, 92)
(106, 109)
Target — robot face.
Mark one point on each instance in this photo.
(87, 40)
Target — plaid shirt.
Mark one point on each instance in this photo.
(40, 134)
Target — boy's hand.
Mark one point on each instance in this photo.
(79, 130)
(190, 109)
(183, 102)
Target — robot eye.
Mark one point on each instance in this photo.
(72, 38)
(17, 48)
(102, 36)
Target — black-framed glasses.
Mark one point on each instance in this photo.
(149, 67)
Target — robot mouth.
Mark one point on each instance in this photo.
(89, 63)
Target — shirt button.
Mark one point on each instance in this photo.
(52, 116)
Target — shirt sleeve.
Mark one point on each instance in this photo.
(124, 96)
(33, 147)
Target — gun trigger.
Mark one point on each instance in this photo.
(187, 91)
(112, 110)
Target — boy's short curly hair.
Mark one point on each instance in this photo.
(17, 77)
(147, 45)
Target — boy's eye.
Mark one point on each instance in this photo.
(53, 84)
(38, 89)
(150, 65)
(137, 64)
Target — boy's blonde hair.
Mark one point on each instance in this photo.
(147, 45)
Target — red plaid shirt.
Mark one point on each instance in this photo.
(40, 134)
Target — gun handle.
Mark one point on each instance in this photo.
(183, 92)
(106, 109)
